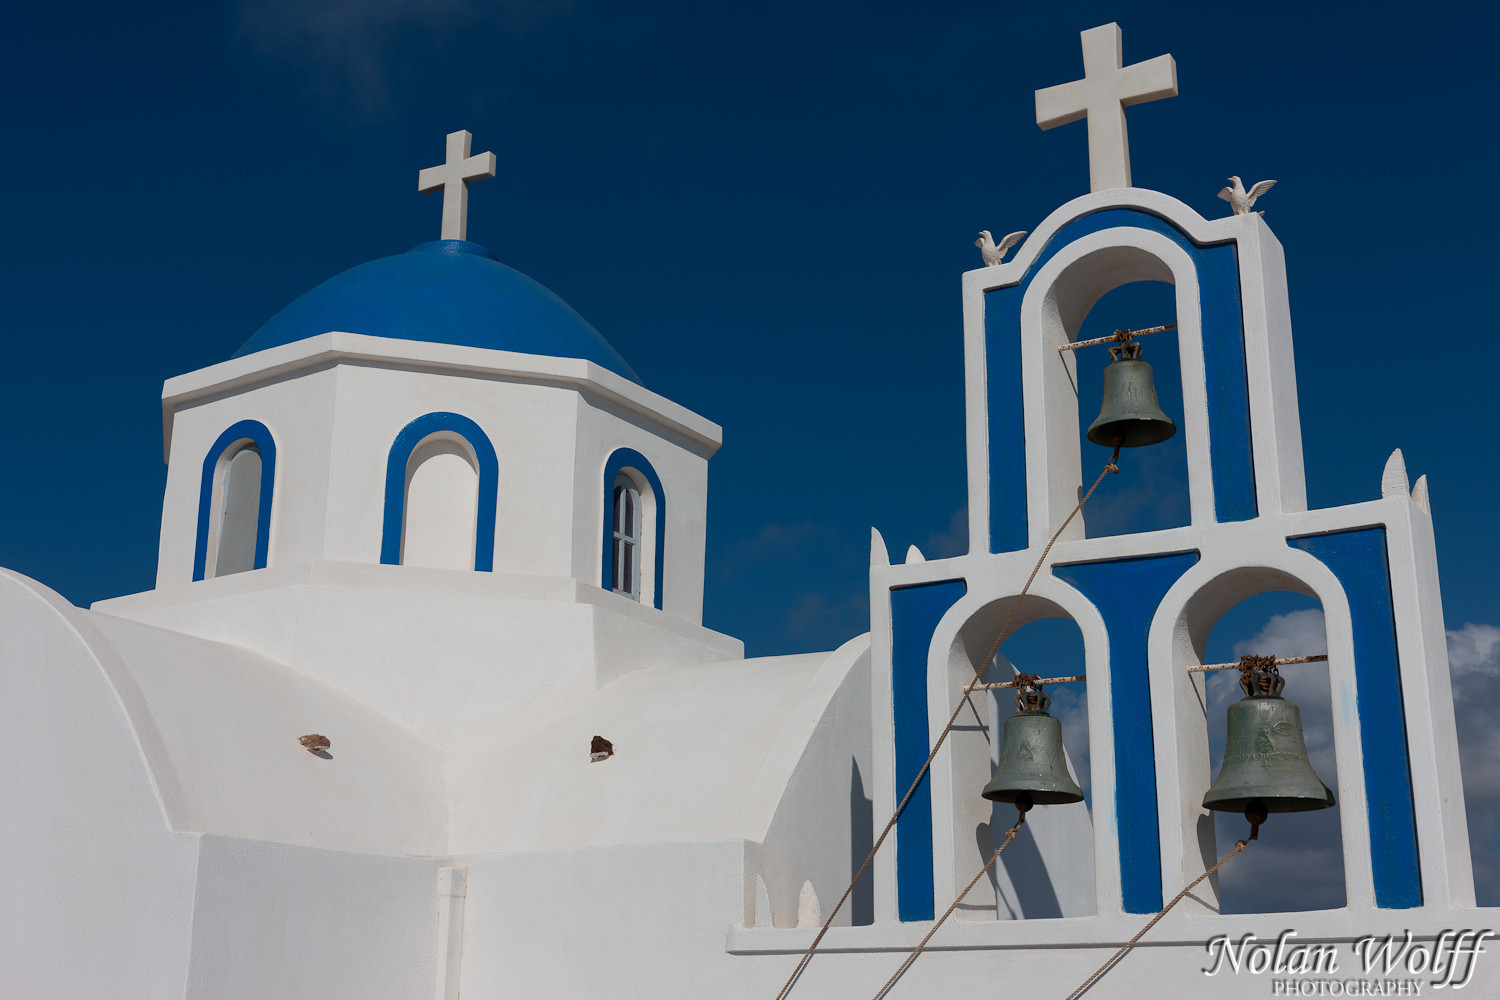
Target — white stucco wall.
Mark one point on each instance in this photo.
(296, 923)
(336, 403)
(97, 896)
(682, 465)
(298, 409)
(446, 654)
(818, 774)
(702, 752)
(230, 720)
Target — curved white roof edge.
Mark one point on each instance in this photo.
(337, 347)
(1199, 229)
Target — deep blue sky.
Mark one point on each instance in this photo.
(764, 207)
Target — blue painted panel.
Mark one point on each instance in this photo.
(1217, 268)
(1358, 558)
(1127, 593)
(395, 485)
(261, 435)
(630, 458)
(915, 613)
(1226, 381)
(1007, 418)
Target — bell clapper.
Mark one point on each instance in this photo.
(1255, 812)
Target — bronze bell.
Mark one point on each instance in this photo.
(1265, 756)
(1130, 416)
(1032, 767)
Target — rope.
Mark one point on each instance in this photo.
(1009, 836)
(1239, 846)
(973, 685)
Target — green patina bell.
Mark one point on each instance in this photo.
(1032, 767)
(1130, 416)
(1265, 755)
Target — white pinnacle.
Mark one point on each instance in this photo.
(1106, 90)
(453, 177)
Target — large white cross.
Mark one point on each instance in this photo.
(454, 177)
(1106, 90)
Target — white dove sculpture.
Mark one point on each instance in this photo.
(1239, 199)
(992, 253)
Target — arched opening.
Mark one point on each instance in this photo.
(1048, 870)
(440, 512)
(1151, 491)
(628, 544)
(1305, 849)
(1093, 287)
(634, 519)
(236, 505)
(442, 482)
(235, 494)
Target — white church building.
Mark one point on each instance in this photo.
(428, 514)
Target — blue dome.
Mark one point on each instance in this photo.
(445, 292)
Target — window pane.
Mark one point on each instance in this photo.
(626, 515)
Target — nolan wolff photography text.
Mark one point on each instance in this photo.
(1372, 966)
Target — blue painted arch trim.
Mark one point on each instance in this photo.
(257, 432)
(1226, 377)
(629, 458)
(395, 484)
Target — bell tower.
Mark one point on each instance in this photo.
(1146, 602)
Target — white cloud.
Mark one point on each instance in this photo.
(1305, 847)
(1474, 649)
(952, 540)
(1474, 663)
(348, 48)
(814, 622)
(1317, 861)
(1297, 633)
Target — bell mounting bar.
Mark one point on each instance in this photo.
(1118, 337)
(1280, 661)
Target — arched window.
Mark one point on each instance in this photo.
(627, 538)
(442, 501)
(441, 480)
(234, 502)
(635, 518)
(238, 510)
